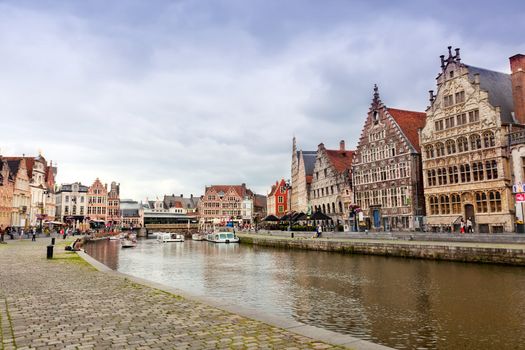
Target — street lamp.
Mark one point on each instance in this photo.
(287, 186)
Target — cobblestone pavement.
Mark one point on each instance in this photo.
(64, 303)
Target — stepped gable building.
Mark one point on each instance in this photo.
(303, 163)
(331, 186)
(21, 193)
(97, 202)
(387, 168)
(7, 188)
(277, 199)
(114, 217)
(465, 159)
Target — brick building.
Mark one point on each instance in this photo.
(331, 186)
(114, 217)
(277, 199)
(222, 203)
(466, 166)
(7, 188)
(97, 202)
(387, 168)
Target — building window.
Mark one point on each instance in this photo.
(440, 149)
(455, 201)
(393, 197)
(473, 116)
(460, 97)
(281, 209)
(449, 122)
(280, 199)
(475, 142)
(448, 100)
(465, 172)
(430, 151)
(444, 203)
(438, 125)
(488, 139)
(495, 201)
(461, 119)
(451, 147)
(481, 202)
(434, 206)
(442, 176)
(431, 176)
(462, 144)
(67, 199)
(453, 176)
(491, 167)
(477, 171)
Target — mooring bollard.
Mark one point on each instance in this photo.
(291, 234)
(50, 252)
(53, 241)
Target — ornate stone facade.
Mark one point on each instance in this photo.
(303, 163)
(7, 188)
(21, 193)
(97, 201)
(114, 205)
(387, 169)
(331, 187)
(465, 161)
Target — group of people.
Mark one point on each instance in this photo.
(11, 231)
(466, 226)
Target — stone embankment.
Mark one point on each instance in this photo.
(65, 303)
(475, 252)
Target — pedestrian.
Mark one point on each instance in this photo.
(21, 233)
(319, 231)
(462, 226)
(469, 226)
(2, 233)
(33, 237)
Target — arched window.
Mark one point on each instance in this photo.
(324, 209)
(481, 202)
(453, 176)
(477, 171)
(462, 144)
(430, 151)
(440, 149)
(333, 207)
(455, 201)
(488, 139)
(451, 146)
(434, 205)
(475, 142)
(444, 204)
(340, 207)
(495, 201)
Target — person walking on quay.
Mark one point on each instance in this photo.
(21, 233)
(319, 231)
(462, 226)
(469, 226)
(33, 235)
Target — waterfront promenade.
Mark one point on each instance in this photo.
(65, 303)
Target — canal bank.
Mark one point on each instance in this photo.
(473, 252)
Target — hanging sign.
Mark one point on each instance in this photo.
(520, 197)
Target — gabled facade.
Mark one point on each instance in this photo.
(7, 188)
(277, 199)
(465, 161)
(331, 187)
(21, 193)
(303, 163)
(97, 201)
(113, 217)
(387, 168)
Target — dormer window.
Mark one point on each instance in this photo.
(451, 74)
(375, 117)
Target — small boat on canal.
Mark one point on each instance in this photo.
(128, 243)
(164, 237)
(197, 237)
(222, 237)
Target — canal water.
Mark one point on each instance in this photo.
(402, 303)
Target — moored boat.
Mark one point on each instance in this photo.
(222, 237)
(164, 237)
(197, 237)
(128, 243)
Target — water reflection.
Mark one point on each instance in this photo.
(402, 303)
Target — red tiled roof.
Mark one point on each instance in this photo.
(178, 205)
(272, 191)
(239, 189)
(30, 162)
(341, 160)
(409, 122)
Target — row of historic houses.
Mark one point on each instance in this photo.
(459, 160)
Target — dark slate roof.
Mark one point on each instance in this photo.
(309, 161)
(499, 87)
(14, 165)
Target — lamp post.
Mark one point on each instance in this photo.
(287, 186)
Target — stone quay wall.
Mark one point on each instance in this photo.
(451, 251)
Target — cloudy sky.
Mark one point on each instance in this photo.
(170, 96)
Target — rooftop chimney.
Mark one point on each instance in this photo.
(517, 68)
(342, 145)
(181, 195)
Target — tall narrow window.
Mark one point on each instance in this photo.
(488, 139)
(451, 146)
(495, 201)
(477, 171)
(465, 172)
(430, 151)
(491, 168)
(481, 202)
(453, 177)
(473, 116)
(455, 201)
(440, 149)
(460, 97)
(462, 144)
(475, 141)
(445, 204)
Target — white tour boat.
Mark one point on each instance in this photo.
(128, 243)
(164, 237)
(222, 237)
